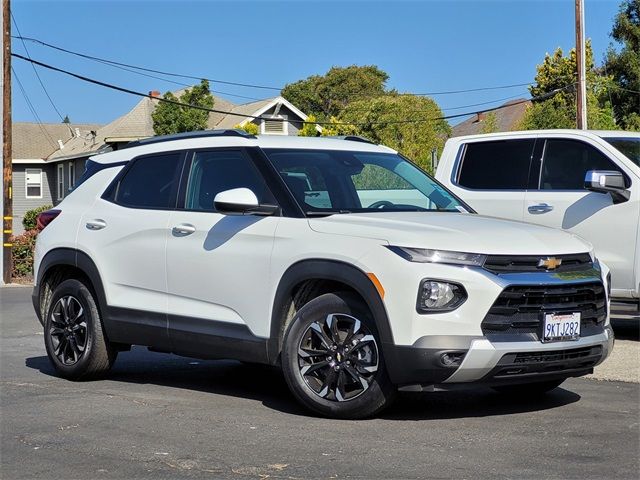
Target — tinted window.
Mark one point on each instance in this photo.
(216, 171)
(629, 146)
(502, 165)
(150, 182)
(567, 161)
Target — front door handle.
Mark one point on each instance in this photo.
(183, 229)
(96, 224)
(540, 208)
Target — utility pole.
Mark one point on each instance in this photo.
(7, 202)
(581, 113)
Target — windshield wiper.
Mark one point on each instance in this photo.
(325, 213)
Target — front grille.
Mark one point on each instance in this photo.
(556, 355)
(518, 309)
(529, 263)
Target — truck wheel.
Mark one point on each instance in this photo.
(73, 334)
(537, 388)
(332, 359)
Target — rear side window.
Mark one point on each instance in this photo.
(151, 182)
(500, 165)
(566, 163)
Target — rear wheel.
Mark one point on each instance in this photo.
(537, 388)
(73, 334)
(332, 359)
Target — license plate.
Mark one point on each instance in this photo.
(558, 327)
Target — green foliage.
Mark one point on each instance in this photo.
(309, 129)
(413, 139)
(250, 128)
(66, 119)
(559, 111)
(325, 96)
(22, 254)
(624, 65)
(335, 127)
(170, 118)
(373, 177)
(490, 123)
(29, 219)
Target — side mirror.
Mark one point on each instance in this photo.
(241, 201)
(607, 181)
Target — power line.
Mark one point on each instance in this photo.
(170, 74)
(212, 110)
(248, 85)
(36, 71)
(33, 110)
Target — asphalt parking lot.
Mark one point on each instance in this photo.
(162, 416)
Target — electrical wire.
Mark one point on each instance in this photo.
(212, 110)
(33, 110)
(249, 85)
(36, 71)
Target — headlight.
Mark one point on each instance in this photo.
(439, 296)
(424, 255)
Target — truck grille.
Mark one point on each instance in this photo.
(517, 311)
(529, 263)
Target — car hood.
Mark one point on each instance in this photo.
(453, 231)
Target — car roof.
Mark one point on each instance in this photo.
(193, 141)
(555, 132)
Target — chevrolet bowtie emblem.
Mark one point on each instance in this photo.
(550, 263)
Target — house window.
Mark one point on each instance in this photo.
(60, 181)
(275, 125)
(72, 175)
(33, 181)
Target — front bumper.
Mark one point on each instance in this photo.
(494, 363)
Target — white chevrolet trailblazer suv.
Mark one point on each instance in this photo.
(336, 259)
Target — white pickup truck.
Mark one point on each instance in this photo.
(586, 182)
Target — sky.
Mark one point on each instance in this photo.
(424, 46)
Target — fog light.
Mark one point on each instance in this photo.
(452, 359)
(439, 296)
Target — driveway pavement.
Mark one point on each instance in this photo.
(162, 416)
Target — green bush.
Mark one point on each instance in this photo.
(29, 220)
(22, 253)
(250, 128)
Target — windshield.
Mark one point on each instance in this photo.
(332, 181)
(629, 146)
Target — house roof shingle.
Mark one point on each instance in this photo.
(29, 141)
(507, 119)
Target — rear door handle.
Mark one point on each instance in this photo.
(183, 229)
(540, 208)
(97, 224)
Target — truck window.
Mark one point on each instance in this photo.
(499, 165)
(566, 162)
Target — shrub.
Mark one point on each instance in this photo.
(29, 220)
(250, 128)
(22, 253)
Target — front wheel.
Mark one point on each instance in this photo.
(73, 335)
(528, 389)
(332, 359)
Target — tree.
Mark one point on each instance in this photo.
(66, 119)
(558, 74)
(385, 120)
(490, 123)
(309, 128)
(169, 118)
(624, 65)
(327, 95)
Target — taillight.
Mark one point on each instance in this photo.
(45, 218)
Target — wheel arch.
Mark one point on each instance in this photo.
(69, 263)
(340, 275)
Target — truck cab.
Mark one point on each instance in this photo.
(585, 182)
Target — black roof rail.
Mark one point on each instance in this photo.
(352, 138)
(229, 132)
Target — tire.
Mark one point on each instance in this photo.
(74, 339)
(359, 387)
(529, 389)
